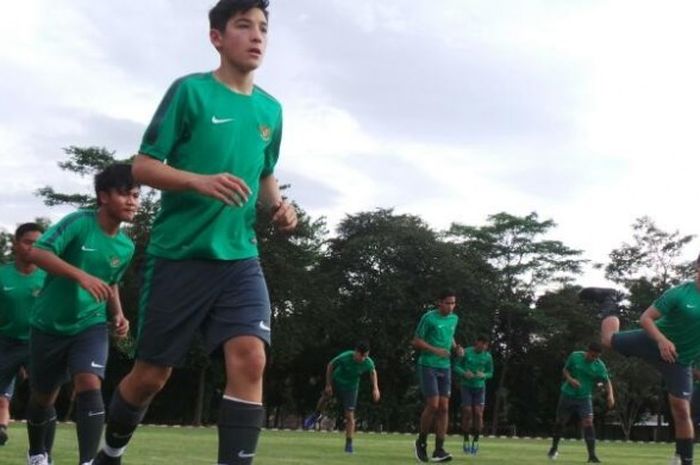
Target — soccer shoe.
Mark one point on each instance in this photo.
(39, 459)
(605, 298)
(421, 451)
(103, 459)
(553, 454)
(466, 447)
(475, 448)
(3, 437)
(310, 421)
(593, 459)
(348, 448)
(440, 455)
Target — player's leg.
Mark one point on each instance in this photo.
(606, 300)
(349, 429)
(7, 388)
(478, 421)
(585, 412)
(562, 418)
(680, 409)
(321, 406)
(429, 387)
(467, 415)
(442, 416)
(14, 356)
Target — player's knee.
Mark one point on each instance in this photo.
(247, 360)
(4, 403)
(442, 407)
(86, 382)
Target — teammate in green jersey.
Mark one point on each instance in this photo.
(211, 147)
(668, 339)
(20, 283)
(343, 378)
(583, 370)
(473, 369)
(85, 254)
(434, 339)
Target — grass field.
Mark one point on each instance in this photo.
(175, 446)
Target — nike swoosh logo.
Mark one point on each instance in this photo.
(690, 307)
(87, 249)
(6, 289)
(687, 393)
(96, 365)
(264, 327)
(94, 414)
(215, 120)
(243, 455)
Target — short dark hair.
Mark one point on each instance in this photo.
(227, 9)
(115, 177)
(362, 347)
(24, 228)
(482, 338)
(595, 347)
(445, 293)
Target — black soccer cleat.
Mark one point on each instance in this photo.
(104, 459)
(440, 455)
(421, 451)
(593, 459)
(3, 436)
(604, 297)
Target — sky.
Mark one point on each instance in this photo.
(585, 111)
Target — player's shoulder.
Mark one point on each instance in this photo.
(192, 80)
(6, 269)
(78, 217)
(265, 96)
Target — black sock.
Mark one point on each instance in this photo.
(122, 421)
(239, 428)
(50, 432)
(684, 447)
(466, 437)
(589, 436)
(89, 422)
(556, 435)
(439, 443)
(476, 436)
(422, 438)
(37, 424)
(348, 441)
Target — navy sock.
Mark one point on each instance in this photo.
(589, 436)
(38, 422)
(684, 447)
(122, 421)
(89, 422)
(239, 428)
(50, 432)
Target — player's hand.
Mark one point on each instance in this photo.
(284, 216)
(328, 391)
(468, 374)
(611, 402)
(575, 383)
(479, 374)
(668, 351)
(120, 326)
(459, 350)
(442, 353)
(22, 374)
(223, 186)
(375, 395)
(96, 287)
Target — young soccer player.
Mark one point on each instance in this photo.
(434, 340)
(343, 378)
(20, 283)
(473, 369)
(85, 255)
(220, 136)
(668, 339)
(581, 373)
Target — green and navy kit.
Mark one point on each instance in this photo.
(680, 320)
(347, 371)
(586, 372)
(63, 307)
(438, 331)
(203, 127)
(474, 361)
(18, 291)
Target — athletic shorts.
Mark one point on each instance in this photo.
(347, 397)
(14, 354)
(569, 406)
(222, 299)
(695, 405)
(54, 358)
(473, 397)
(637, 343)
(435, 381)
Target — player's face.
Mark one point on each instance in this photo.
(360, 357)
(447, 305)
(481, 346)
(121, 205)
(244, 41)
(23, 245)
(591, 355)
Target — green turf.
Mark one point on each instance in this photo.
(154, 446)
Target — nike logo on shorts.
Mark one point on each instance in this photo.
(243, 455)
(96, 365)
(264, 327)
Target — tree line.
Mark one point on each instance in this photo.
(375, 276)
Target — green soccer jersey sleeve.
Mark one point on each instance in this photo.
(272, 151)
(169, 124)
(60, 236)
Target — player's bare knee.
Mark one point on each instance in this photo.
(4, 403)
(86, 382)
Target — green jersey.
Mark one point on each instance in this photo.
(680, 320)
(203, 127)
(475, 362)
(347, 371)
(63, 307)
(18, 292)
(438, 331)
(587, 372)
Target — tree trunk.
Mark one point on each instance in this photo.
(199, 405)
(499, 396)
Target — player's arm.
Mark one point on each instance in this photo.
(223, 186)
(570, 379)
(611, 394)
(284, 215)
(55, 265)
(458, 349)
(488, 369)
(329, 378)
(420, 344)
(375, 385)
(648, 322)
(120, 325)
(696, 373)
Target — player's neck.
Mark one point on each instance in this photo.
(107, 223)
(24, 267)
(238, 81)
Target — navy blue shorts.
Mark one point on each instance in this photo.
(54, 359)
(637, 343)
(14, 355)
(569, 406)
(435, 381)
(347, 397)
(222, 299)
(473, 397)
